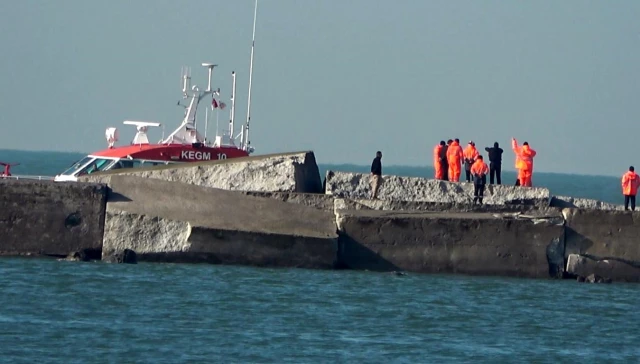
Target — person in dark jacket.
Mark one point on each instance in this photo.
(444, 161)
(495, 162)
(376, 175)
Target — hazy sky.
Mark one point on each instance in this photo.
(341, 77)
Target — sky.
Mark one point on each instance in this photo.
(341, 78)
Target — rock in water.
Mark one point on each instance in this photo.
(126, 256)
(594, 278)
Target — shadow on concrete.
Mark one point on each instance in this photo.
(117, 197)
(575, 243)
(354, 255)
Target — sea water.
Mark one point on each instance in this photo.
(72, 312)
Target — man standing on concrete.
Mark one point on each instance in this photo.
(495, 163)
(479, 171)
(470, 154)
(445, 162)
(630, 184)
(376, 175)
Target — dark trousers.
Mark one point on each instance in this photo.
(495, 170)
(468, 174)
(478, 188)
(627, 199)
(445, 171)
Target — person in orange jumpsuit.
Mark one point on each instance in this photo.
(470, 154)
(524, 162)
(439, 163)
(479, 170)
(630, 184)
(454, 158)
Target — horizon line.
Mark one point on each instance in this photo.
(340, 163)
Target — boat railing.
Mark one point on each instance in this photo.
(38, 178)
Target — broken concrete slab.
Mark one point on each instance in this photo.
(609, 268)
(51, 218)
(290, 172)
(319, 201)
(397, 188)
(169, 221)
(392, 205)
(436, 242)
(603, 233)
(582, 203)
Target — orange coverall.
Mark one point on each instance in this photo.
(436, 162)
(455, 159)
(630, 183)
(524, 162)
(470, 154)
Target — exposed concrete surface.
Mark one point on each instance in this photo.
(391, 205)
(291, 172)
(166, 221)
(50, 218)
(468, 243)
(319, 201)
(603, 233)
(582, 203)
(609, 268)
(397, 188)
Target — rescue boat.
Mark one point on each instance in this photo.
(185, 144)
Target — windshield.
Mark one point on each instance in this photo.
(77, 165)
(96, 165)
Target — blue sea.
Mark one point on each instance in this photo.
(70, 312)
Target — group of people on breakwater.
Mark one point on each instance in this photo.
(449, 157)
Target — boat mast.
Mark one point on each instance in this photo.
(232, 112)
(245, 136)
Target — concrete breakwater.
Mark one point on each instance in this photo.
(271, 211)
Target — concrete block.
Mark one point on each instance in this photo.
(169, 221)
(436, 242)
(291, 172)
(582, 203)
(397, 188)
(613, 269)
(51, 218)
(316, 200)
(603, 234)
(392, 205)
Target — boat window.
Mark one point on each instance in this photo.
(126, 163)
(96, 165)
(77, 165)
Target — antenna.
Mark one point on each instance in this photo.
(210, 66)
(232, 111)
(245, 137)
(186, 80)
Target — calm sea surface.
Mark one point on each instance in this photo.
(66, 312)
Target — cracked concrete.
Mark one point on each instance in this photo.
(619, 270)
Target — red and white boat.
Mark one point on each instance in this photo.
(185, 144)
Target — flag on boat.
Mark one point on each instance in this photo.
(222, 105)
(214, 103)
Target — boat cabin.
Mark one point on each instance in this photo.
(92, 164)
